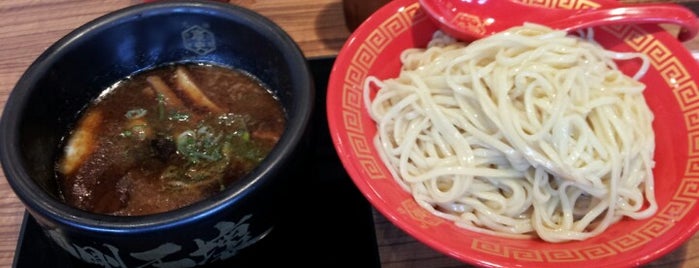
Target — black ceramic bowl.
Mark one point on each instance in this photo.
(47, 100)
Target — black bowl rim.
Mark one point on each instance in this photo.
(37, 201)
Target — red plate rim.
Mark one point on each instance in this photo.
(672, 63)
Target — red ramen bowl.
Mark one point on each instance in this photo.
(374, 49)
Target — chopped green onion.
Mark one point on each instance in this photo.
(161, 106)
(136, 113)
(140, 131)
(137, 131)
(199, 145)
(179, 116)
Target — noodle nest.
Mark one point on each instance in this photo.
(527, 133)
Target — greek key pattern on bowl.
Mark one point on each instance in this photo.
(567, 4)
(662, 59)
(357, 72)
(687, 94)
(414, 211)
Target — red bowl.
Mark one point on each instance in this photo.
(672, 94)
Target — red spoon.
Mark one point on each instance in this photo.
(473, 19)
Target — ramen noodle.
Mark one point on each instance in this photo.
(527, 133)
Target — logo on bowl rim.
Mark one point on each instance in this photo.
(232, 237)
(199, 40)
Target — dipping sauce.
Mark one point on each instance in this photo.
(168, 137)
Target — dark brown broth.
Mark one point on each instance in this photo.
(147, 153)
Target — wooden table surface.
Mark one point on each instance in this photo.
(27, 28)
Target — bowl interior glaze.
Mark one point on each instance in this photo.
(47, 100)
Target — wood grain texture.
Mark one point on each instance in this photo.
(28, 27)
